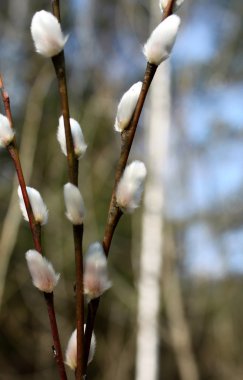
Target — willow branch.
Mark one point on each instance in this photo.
(36, 234)
(59, 65)
(78, 235)
(114, 213)
(13, 151)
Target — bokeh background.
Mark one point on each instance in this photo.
(202, 184)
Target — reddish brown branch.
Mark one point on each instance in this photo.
(6, 102)
(114, 213)
(49, 298)
(77, 235)
(59, 65)
(36, 234)
(168, 9)
(35, 227)
(56, 9)
(72, 161)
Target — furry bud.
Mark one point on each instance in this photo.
(77, 135)
(127, 106)
(74, 204)
(47, 34)
(161, 41)
(130, 187)
(38, 206)
(71, 351)
(43, 275)
(6, 132)
(96, 280)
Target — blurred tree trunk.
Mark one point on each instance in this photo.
(156, 125)
(178, 326)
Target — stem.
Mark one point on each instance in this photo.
(35, 227)
(114, 213)
(77, 235)
(36, 234)
(168, 9)
(6, 102)
(59, 65)
(49, 298)
(56, 9)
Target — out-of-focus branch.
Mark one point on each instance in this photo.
(178, 326)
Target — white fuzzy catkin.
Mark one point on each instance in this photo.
(6, 132)
(161, 41)
(74, 204)
(47, 34)
(39, 208)
(163, 4)
(43, 275)
(127, 106)
(71, 351)
(130, 187)
(77, 135)
(96, 280)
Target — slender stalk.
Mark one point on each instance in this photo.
(59, 65)
(49, 298)
(6, 102)
(36, 234)
(77, 235)
(114, 213)
(56, 9)
(35, 227)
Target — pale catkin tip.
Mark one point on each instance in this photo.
(71, 351)
(6, 132)
(74, 204)
(38, 206)
(96, 279)
(127, 106)
(42, 272)
(77, 135)
(47, 34)
(130, 187)
(161, 40)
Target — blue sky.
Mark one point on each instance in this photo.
(209, 178)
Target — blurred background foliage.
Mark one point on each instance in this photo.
(203, 182)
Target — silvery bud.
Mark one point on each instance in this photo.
(130, 187)
(161, 41)
(6, 132)
(96, 280)
(37, 204)
(47, 34)
(43, 275)
(77, 136)
(127, 106)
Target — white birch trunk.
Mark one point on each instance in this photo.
(157, 127)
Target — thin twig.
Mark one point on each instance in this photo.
(114, 213)
(49, 298)
(59, 65)
(77, 235)
(36, 235)
(13, 151)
